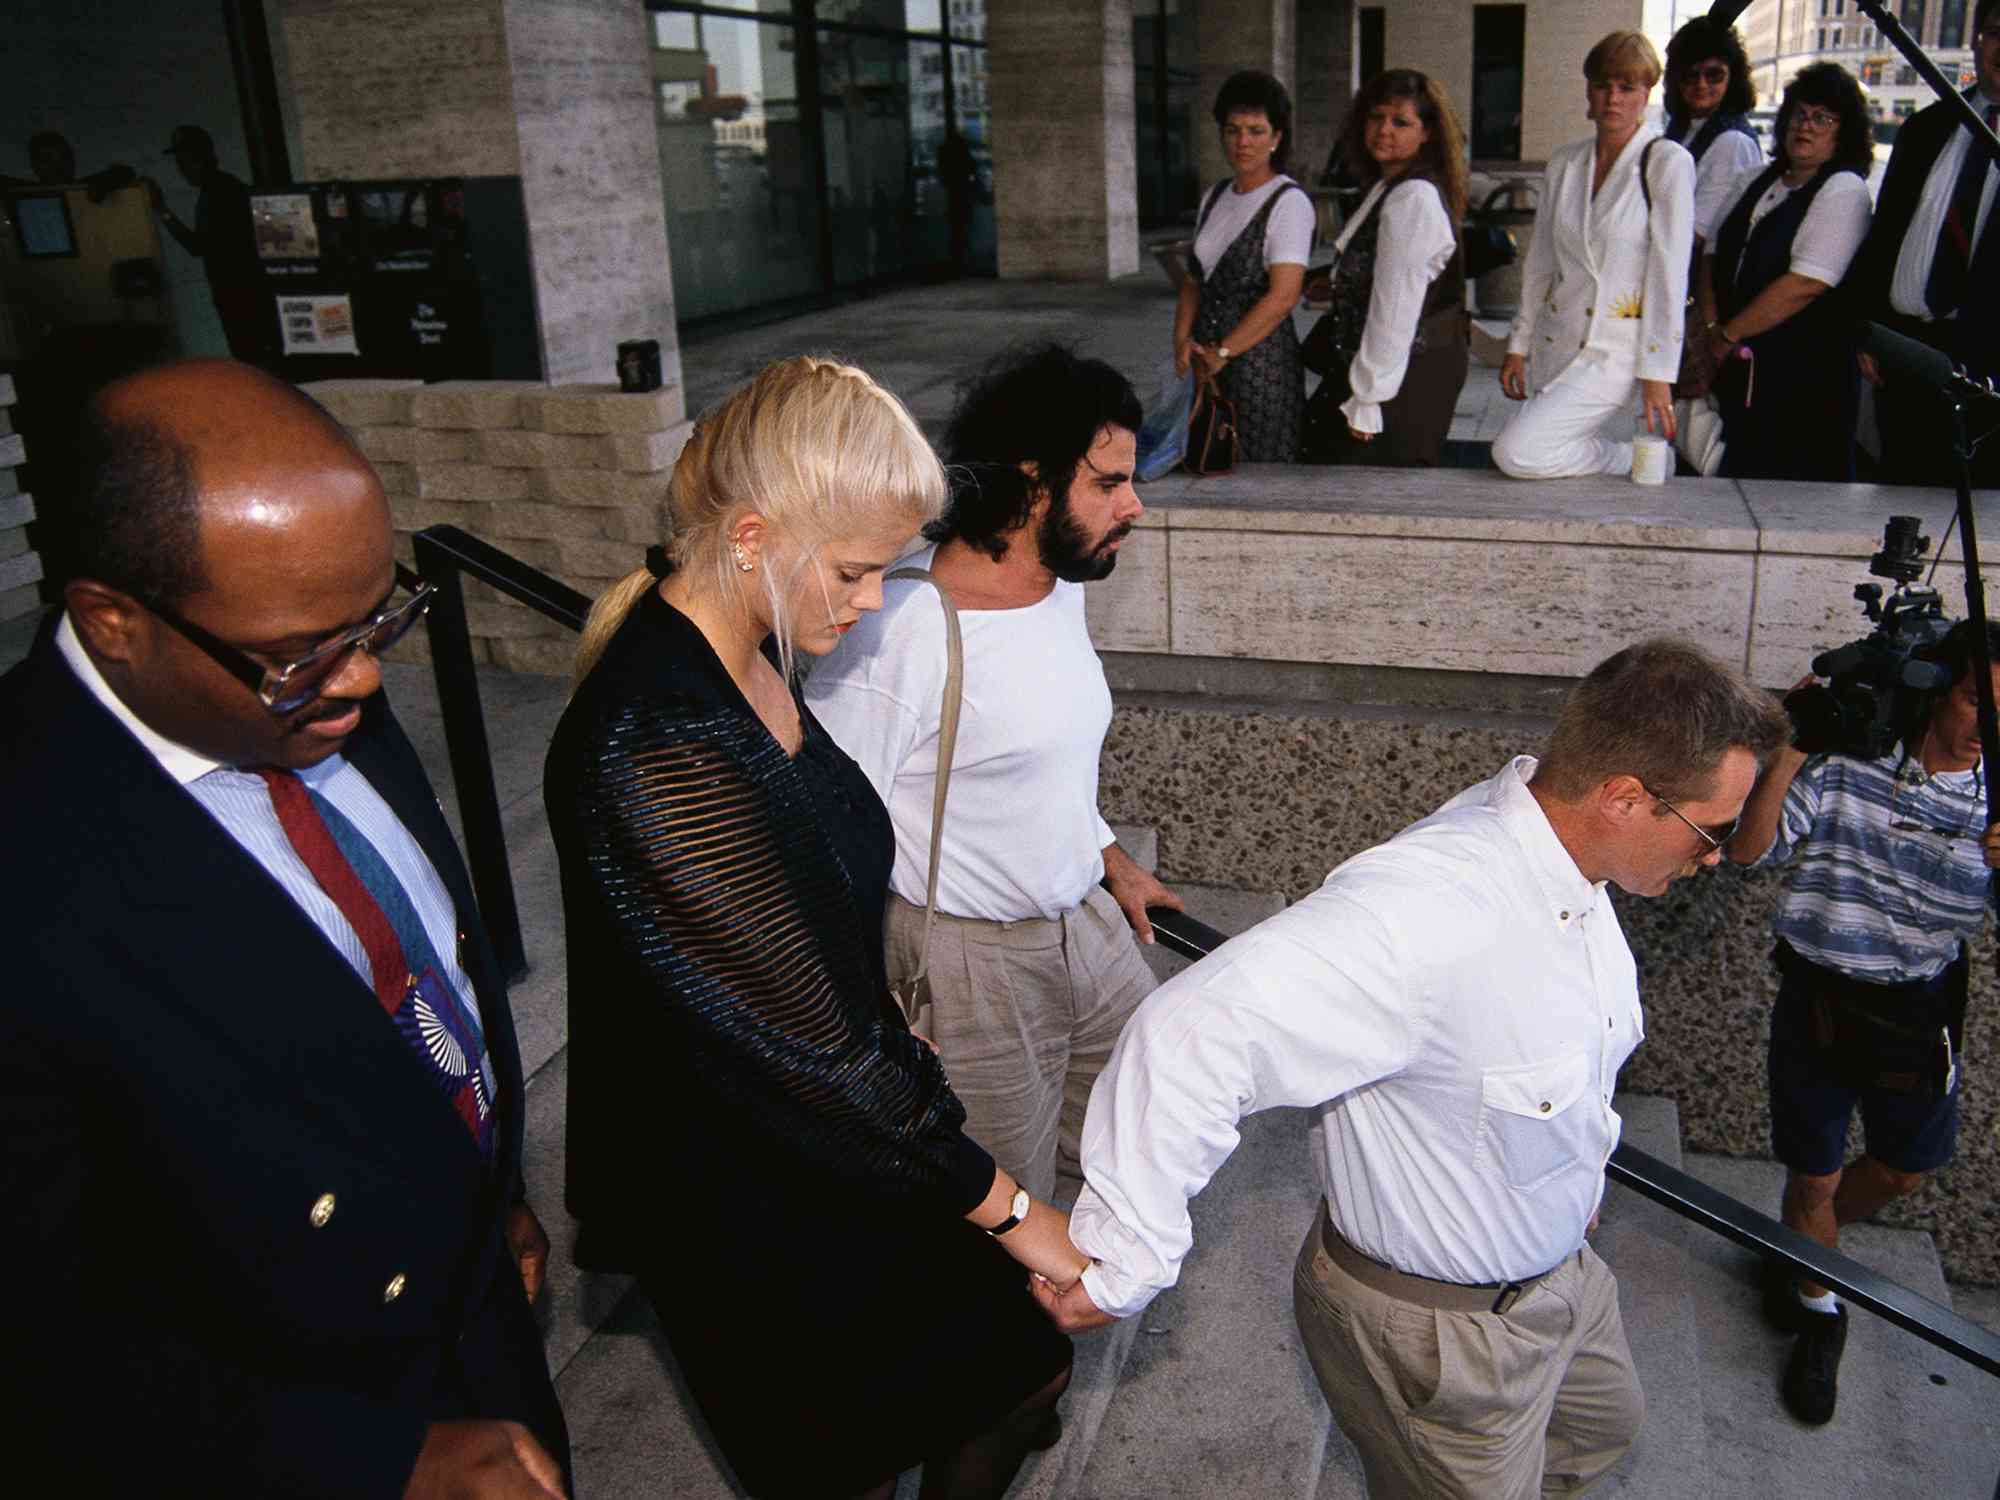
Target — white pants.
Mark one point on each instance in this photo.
(1556, 431)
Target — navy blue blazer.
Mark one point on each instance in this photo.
(188, 1069)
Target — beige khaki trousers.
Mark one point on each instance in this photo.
(1026, 1014)
(1539, 1400)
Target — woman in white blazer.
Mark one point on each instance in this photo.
(1604, 291)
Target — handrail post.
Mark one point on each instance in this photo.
(471, 765)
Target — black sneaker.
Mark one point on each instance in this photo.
(1812, 1375)
(1782, 1308)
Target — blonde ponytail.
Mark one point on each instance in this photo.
(606, 615)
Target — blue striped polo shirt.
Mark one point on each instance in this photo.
(1889, 877)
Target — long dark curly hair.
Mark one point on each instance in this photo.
(1697, 42)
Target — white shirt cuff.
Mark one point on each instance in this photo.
(1362, 416)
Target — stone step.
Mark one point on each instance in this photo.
(1646, 1247)
(1912, 1420)
(1217, 1397)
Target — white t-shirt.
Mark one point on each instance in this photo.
(1412, 248)
(1022, 836)
(1288, 233)
(1833, 229)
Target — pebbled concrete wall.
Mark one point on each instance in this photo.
(1273, 799)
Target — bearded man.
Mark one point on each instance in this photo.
(1033, 966)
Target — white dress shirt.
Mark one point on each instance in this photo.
(1456, 1004)
(241, 802)
(1022, 834)
(1601, 272)
(1412, 249)
(1913, 262)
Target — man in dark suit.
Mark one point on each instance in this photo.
(261, 1205)
(1930, 269)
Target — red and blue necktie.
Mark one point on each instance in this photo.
(1951, 264)
(409, 981)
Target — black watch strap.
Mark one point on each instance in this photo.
(1018, 1210)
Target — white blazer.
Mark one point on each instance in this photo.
(1603, 274)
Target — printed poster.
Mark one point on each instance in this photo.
(285, 228)
(318, 324)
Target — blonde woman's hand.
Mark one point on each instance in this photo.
(1514, 377)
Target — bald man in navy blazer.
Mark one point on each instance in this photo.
(254, 1249)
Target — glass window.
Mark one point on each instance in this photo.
(1499, 34)
(882, 121)
(742, 221)
(1951, 23)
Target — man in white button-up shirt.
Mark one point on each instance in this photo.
(1456, 1004)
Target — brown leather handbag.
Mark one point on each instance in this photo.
(1211, 447)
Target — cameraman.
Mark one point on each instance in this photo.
(1891, 860)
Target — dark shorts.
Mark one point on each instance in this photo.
(1811, 1107)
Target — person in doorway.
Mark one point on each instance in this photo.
(1892, 866)
(52, 160)
(1604, 291)
(224, 239)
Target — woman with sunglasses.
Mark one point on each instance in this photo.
(753, 1130)
(1776, 353)
(1708, 101)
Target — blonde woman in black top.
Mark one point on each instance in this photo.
(753, 1130)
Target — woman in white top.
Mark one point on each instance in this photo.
(1392, 348)
(1234, 319)
(1604, 292)
(1777, 353)
(1708, 99)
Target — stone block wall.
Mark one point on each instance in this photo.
(570, 479)
(20, 567)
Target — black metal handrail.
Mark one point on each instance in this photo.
(444, 556)
(445, 553)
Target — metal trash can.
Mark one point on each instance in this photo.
(1510, 206)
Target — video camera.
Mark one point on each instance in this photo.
(1874, 685)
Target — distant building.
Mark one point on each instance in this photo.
(1783, 36)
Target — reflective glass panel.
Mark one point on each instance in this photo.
(882, 110)
(742, 223)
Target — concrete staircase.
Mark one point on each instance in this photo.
(1207, 1394)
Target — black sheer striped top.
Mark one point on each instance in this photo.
(730, 1031)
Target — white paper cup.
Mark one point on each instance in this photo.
(1652, 459)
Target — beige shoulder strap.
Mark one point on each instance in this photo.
(954, 695)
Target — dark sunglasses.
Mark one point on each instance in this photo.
(1714, 837)
(291, 687)
(1709, 73)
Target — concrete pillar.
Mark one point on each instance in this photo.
(1325, 77)
(1065, 138)
(1231, 36)
(556, 92)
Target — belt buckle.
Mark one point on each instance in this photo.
(1509, 1295)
